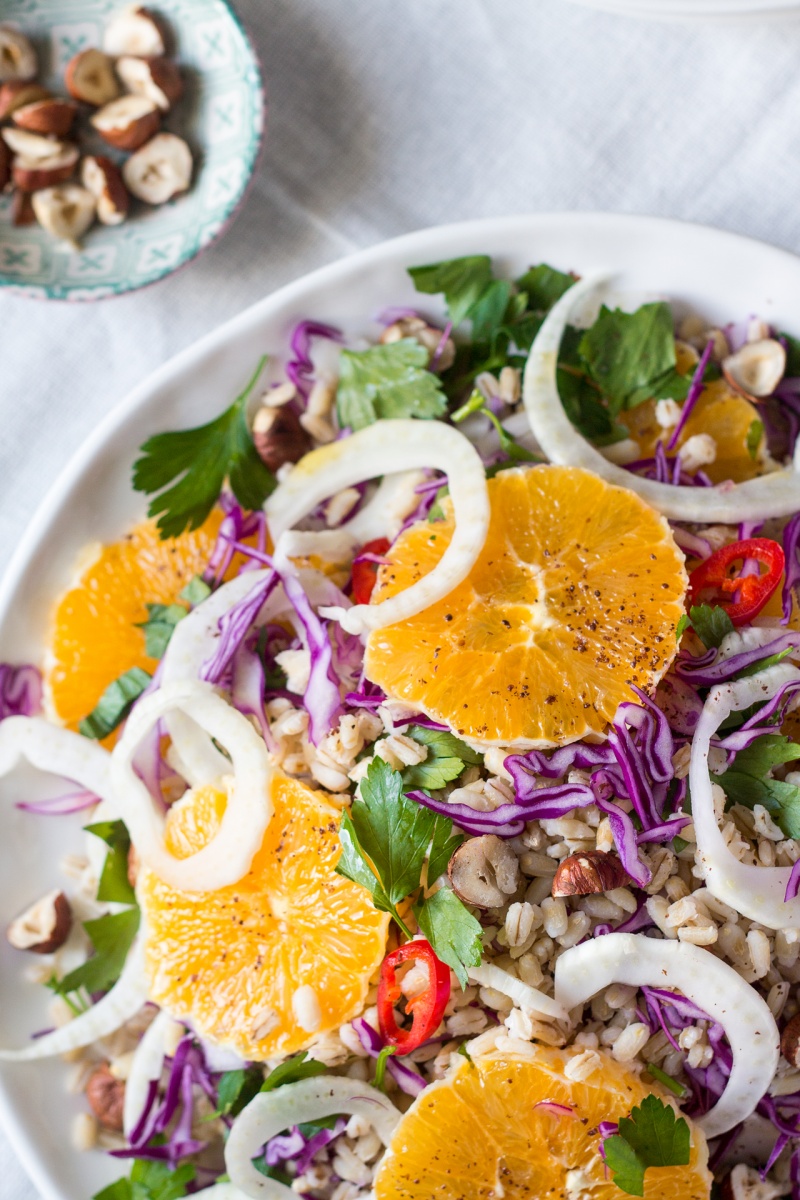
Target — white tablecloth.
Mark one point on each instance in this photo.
(388, 115)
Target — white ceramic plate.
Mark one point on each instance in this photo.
(699, 10)
(717, 274)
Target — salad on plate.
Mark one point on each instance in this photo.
(436, 741)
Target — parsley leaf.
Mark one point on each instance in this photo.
(452, 930)
(114, 885)
(710, 622)
(543, 286)
(489, 310)
(236, 1089)
(387, 381)
(115, 703)
(792, 354)
(652, 1136)
(755, 433)
(354, 865)
(112, 936)
(299, 1066)
(196, 591)
(394, 831)
(150, 1181)
(160, 626)
(462, 280)
(196, 463)
(626, 353)
(444, 844)
(447, 758)
(748, 781)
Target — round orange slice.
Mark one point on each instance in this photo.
(285, 954)
(574, 597)
(488, 1130)
(732, 421)
(94, 636)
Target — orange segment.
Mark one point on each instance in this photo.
(231, 961)
(719, 411)
(575, 596)
(93, 636)
(478, 1135)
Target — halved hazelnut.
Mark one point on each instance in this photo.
(790, 1041)
(22, 209)
(128, 123)
(745, 1183)
(588, 872)
(44, 927)
(757, 369)
(66, 211)
(33, 145)
(484, 871)
(160, 170)
(106, 1096)
(17, 55)
(16, 95)
(5, 166)
(90, 77)
(159, 79)
(279, 437)
(52, 116)
(136, 31)
(103, 179)
(32, 174)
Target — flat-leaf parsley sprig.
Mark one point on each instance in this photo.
(196, 463)
(652, 1136)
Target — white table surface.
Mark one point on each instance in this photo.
(389, 115)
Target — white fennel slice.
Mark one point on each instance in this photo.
(146, 1066)
(227, 857)
(121, 1003)
(57, 751)
(528, 998)
(705, 980)
(385, 448)
(295, 1103)
(774, 495)
(756, 892)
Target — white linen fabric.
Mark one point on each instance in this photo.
(389, 115)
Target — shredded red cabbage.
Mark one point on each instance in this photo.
(247, 687)
(693, 395)
(409, 1081)
(300, 368)
(707, 669)
(20, 691)
(60, 806)
(791, 579)
(170, 1116)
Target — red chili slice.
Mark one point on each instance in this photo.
(427, 1008)
(365, 573)
(718, 580)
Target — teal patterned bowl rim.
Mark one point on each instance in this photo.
(153, 243)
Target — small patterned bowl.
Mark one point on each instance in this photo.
(221, 116)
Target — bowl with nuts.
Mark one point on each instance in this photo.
(128, 137)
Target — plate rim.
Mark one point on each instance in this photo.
(88, 295)
(404, 246)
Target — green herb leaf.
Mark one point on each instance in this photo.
(196, 591)
(464, 1052)
(792, 354)
(754, 435)
(160, 626)
(380, 1066)
(444, 844)
(652, 1136)
(626, 353)
(157, 1181)
(112, 936)
(462, 280)
(387, 381)
(682, 626)
(748, 782)
(236, 1089)
(115, 703)
(355, 865)
(543, 286)
(447, 758)
(488, 311)
(395, 832)
(298, 1067)
(679, 844)
(710, 622)
(452, 931)
(196, 463)
(114, 885)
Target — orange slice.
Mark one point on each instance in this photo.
(93, 636)
(478, 1135)
(719, 411)
(575, 596)
(232, 961)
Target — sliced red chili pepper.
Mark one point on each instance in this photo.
(427, 1008)
(365, 573)
(742, 596)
